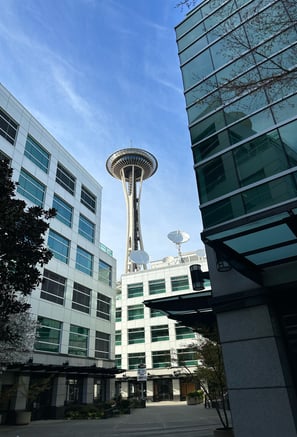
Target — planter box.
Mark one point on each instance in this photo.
(193, 400)
(22, 417)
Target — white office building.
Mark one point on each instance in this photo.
(75, 303)
(148, 337)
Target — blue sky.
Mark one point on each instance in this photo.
(103, 75)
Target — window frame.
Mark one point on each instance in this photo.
(41, 157)
(44, 323)
(81, 298)
(61, 240)
(65, 179)
(83, 255)
(25, 188)
(103, 310)
(53, 287)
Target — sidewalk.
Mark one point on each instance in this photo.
(160, 419)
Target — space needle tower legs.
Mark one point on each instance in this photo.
(132, 166)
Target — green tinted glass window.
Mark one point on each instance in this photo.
(59, 245)
(37, 154)
(31, 188)
(64, 211)
(179, 283)
(161, 359)
(196, 69)
(86, 228)
(260, 158)
(135, 290)
(105, 272)
(159, 333)
(78, 340)
(134, 359)
(157, 313)
(135, 335)
(135, 312)
(157, 286)
(118, 338)
(182, 332)
(84, 261)
(217, 177)
(48, 335)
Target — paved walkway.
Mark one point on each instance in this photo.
(160, 419)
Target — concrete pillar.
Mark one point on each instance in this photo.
(176, 389)
(88, 390)
(20, 401)
(150, 389)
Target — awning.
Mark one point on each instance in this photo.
(65, 369)
(255, 248)
(193, 310)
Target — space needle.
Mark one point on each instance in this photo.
(132, 166)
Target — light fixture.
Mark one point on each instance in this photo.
(197, 277)
(222, 264)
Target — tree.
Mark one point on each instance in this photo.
(211, 374)
(22, 328)
(276, 62)
(22, 252)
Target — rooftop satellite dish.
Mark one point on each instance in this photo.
(178, 237)
(139, 257)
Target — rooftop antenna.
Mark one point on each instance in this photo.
(178, 237)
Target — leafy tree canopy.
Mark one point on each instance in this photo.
(22, 250)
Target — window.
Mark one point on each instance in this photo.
(182, 332)
(161, 359)
(88, 199)
(105, 273)
(31, 188)
(59, 246)
(157, 313)
(53, 287)
(84, 261)
(135, 335)
(78, 341)
(37, 154)
(48, 335)
(64, 211)
(157, 286)
(65, 179)
(118, 361)
(86, 228)
(179, 283)
(102, 345)
(159, 333)
(81, 298)
(135, 359)
(118, 317)
(118, 338)
(187, 357)
(103, 306)
(135, 312)
(135, 290)
(8, 127)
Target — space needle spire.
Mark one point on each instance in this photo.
(132, 166)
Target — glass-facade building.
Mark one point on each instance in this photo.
(238, 64)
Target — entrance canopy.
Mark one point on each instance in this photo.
(192, 309)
